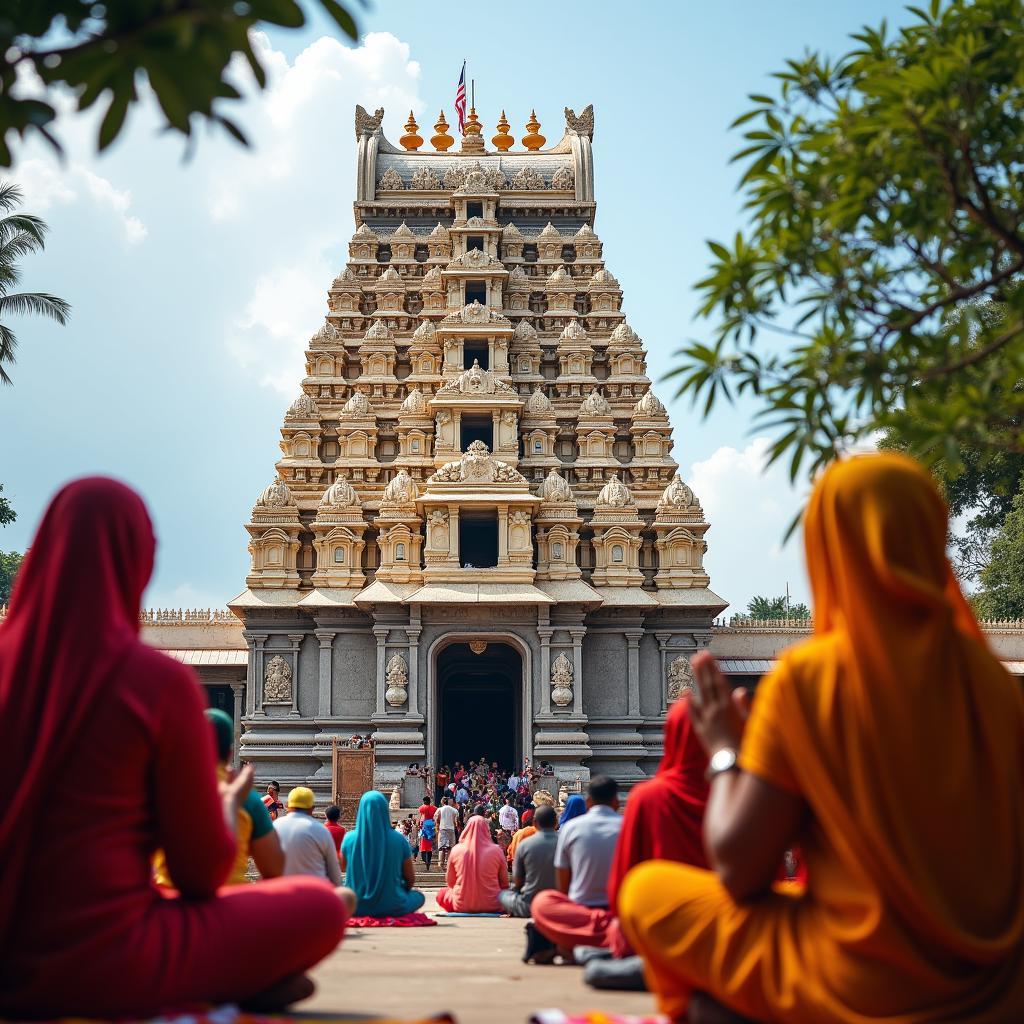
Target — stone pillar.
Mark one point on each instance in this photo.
(663, 639)
(259, 639)
(238, 689)
(412, 634)
(453, 534)
(296, 640)
(381, 633)
(457, 417)
(577, 670)
(633, 637)
(326, 638)
(503, 535)
(544, 632)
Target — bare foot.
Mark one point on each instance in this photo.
(705, 1010)
(281, 995)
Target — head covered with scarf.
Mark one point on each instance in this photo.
(574, 807)
(73, 620)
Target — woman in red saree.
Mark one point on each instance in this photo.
(477, 872)
(110, 733)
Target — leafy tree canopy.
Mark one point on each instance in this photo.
(181, 47)
(10, 562)
(884, 248)
(1002, 580)
(7, 513)
(775, 608)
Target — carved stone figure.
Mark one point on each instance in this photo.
(563, 179)
(391, 179)
(561, 681)
(365, 124)
(680, 679)
(425, 179)
(584, 123)
(397, 679)
(277, 681)
(528, 179)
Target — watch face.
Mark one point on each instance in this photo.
(723, 759)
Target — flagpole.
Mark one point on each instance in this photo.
(472, 89)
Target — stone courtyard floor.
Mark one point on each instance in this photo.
(471, 967)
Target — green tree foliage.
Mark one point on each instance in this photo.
(181, 47)
(1002, 581)
(10, 562)
(885, 247)
(20, 235)
(775, 608)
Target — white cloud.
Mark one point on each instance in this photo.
(300, 167)
(46, 185)
(750, 508)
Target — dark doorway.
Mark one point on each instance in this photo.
(478, 539)
(474, 210)
(476, 291)
(474, 353)
(477, 428)
(479, 705)
(221, 697)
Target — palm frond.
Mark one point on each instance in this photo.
(8, 343)
(24, 223)
(11, 195)
(35, 304)
(21, 244)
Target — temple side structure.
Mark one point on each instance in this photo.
(477, 541)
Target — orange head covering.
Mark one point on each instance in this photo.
(910, 749)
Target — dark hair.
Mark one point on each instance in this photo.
(428, 799)
(479, 809)
(274, 784)
(508, 798)
(333, 813)
(545, 817)
(602, 789)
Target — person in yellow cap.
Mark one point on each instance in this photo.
(308, 846)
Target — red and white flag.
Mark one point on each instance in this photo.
(460, 100)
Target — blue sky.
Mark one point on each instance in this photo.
(196, 282)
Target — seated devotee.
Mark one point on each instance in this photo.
(663, 820)
(876, 747)
(575, 806)
(82, 697)
(477, 872)
(577, 913)
(308, 846)
(334, 826)
(378, 864)
(254, 831)
(533, 870)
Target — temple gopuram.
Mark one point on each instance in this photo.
(477, 542)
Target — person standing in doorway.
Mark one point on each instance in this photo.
(447, 819)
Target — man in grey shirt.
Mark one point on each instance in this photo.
(534, 866)
(308, 846)
(577, 914)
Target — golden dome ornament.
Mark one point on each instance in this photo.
(442, 140)
(410, 140)
(503, 141)
(472, 142)
(533, 140)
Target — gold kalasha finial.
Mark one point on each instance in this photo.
(503, 141)
(410, 140)
(471, 135)
(533, 140)
(442, 140)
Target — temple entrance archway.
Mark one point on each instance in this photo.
(479, 703)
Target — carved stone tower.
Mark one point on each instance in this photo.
(476, 541)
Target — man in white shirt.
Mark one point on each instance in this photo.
(577, 913)
(308, 846)
(508, 816)
(513, 783)
(447, 820)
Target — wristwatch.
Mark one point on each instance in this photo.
(723, 760)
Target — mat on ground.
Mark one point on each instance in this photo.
(414, 920)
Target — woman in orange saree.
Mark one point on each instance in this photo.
(890, 747)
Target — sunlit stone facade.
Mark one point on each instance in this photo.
(476, 538)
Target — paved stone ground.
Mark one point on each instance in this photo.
(471, 967)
